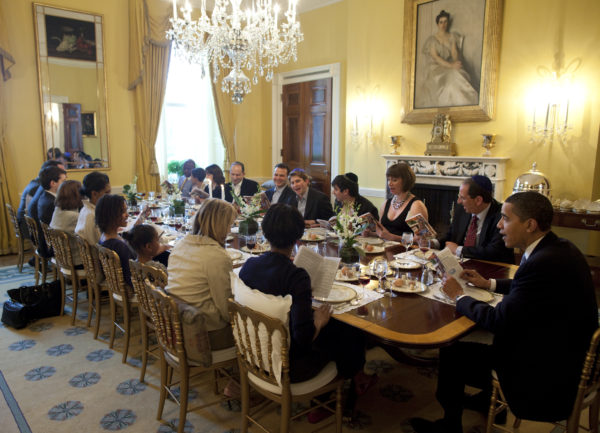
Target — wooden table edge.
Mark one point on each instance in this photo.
(440, 337)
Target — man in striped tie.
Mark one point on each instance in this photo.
(473, 232)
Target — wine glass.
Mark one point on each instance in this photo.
(424, 245)
(407, 239)
(379, 268)
(359, 294)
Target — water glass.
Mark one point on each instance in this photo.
(379, 268)
(407, 239)
(151, 196)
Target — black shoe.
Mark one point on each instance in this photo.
(480, 402)
(31, 262)
(421, 425)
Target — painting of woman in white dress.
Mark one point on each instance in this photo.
(445, 76)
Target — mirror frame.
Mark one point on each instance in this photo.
(40, 11)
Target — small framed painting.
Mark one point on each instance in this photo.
(88, 124)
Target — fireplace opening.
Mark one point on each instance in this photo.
(440, 201)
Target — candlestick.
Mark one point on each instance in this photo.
(174, 9)
(222, 192)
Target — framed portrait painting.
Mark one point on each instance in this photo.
(450, 62)
(88, 124)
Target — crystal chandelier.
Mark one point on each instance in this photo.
(236, 40)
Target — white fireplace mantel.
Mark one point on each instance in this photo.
(453, 170)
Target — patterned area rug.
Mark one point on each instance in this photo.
(55, 377)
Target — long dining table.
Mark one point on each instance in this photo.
(408, 320)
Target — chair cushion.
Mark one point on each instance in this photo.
(325, 376)
(217, 356)
(133, 299)
(79, 272)
(277, 307)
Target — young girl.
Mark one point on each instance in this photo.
(143, 239)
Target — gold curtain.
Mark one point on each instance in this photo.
(226, 117)
(7, 239)
(148, 68)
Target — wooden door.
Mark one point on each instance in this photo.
(307, 130)
(72, 122)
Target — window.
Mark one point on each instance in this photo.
(188, 125)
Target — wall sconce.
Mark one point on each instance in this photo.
(551, 102)
(367, 119)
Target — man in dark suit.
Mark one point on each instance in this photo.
(28, 194)
(50, 180)
(281, 192)
(239, 184)
(311, 203)
(185, 183)
(542, 327)
(473, 231)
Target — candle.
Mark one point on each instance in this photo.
(567, 114)
(223, 192)
(174, 9)
(547, 114)
(210, 188)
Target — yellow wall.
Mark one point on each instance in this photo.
(24, 132)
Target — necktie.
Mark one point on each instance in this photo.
(471, 237)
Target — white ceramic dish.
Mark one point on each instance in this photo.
(338, 294)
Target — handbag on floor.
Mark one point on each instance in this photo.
(14, 314)
(37, 302)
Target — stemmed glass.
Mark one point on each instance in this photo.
(359, 295)
(407, 239)
(424, 245)
(379, 268)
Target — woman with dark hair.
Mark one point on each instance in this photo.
(345, 190)
(197, 179)
(199, 269)
(315, 340)
(111, 214)
(95, 185)
(143, 239)
(66, 212)
(403, 204)
(217, 179)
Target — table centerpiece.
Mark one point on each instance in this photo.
(348, 226)
(249, 210)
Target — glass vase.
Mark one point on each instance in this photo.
(248, 227)
(349, 254)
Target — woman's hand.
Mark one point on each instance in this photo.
(321, 318)
(383, 233)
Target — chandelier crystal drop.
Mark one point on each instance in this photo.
(231, 40)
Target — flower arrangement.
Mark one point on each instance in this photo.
(348, 225)
(174, 196)
(249, 210)
(130, 192)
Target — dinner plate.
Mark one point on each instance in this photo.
(376, 249)
(371, 240)
(338, 294)
(341, 277)
(234, 254)
(417, 286)
(229, 238)
(256, 250)
(405, 264)
(315, 237)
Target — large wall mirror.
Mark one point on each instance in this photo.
(72, 80)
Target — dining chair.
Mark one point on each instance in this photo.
(146, 324)
(121, 295)
(260, 371)
(588, 396)
(157, 276)
(63, 258)
(166, 314)
(19, 235)
(41, 263)
(95, 280)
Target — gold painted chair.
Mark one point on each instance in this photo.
(63, 258)
(95, 280)
(258, 371)
(166, 312)
(120, 295)
(588, 396)
(19, 235)
(146, 324)
(41, 263)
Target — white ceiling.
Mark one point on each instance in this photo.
(303, 5)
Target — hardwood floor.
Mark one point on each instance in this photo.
(11, 259)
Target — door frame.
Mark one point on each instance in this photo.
(299, 76)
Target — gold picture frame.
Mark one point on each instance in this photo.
(88, 124)
(468, 93)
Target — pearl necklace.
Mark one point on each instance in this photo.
(397, 204)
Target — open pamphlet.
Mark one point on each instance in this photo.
(321, 269)
(370, 220)
(450, 265)
(326, 224)
(420, 226)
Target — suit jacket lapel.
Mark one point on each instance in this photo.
(463, 225)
